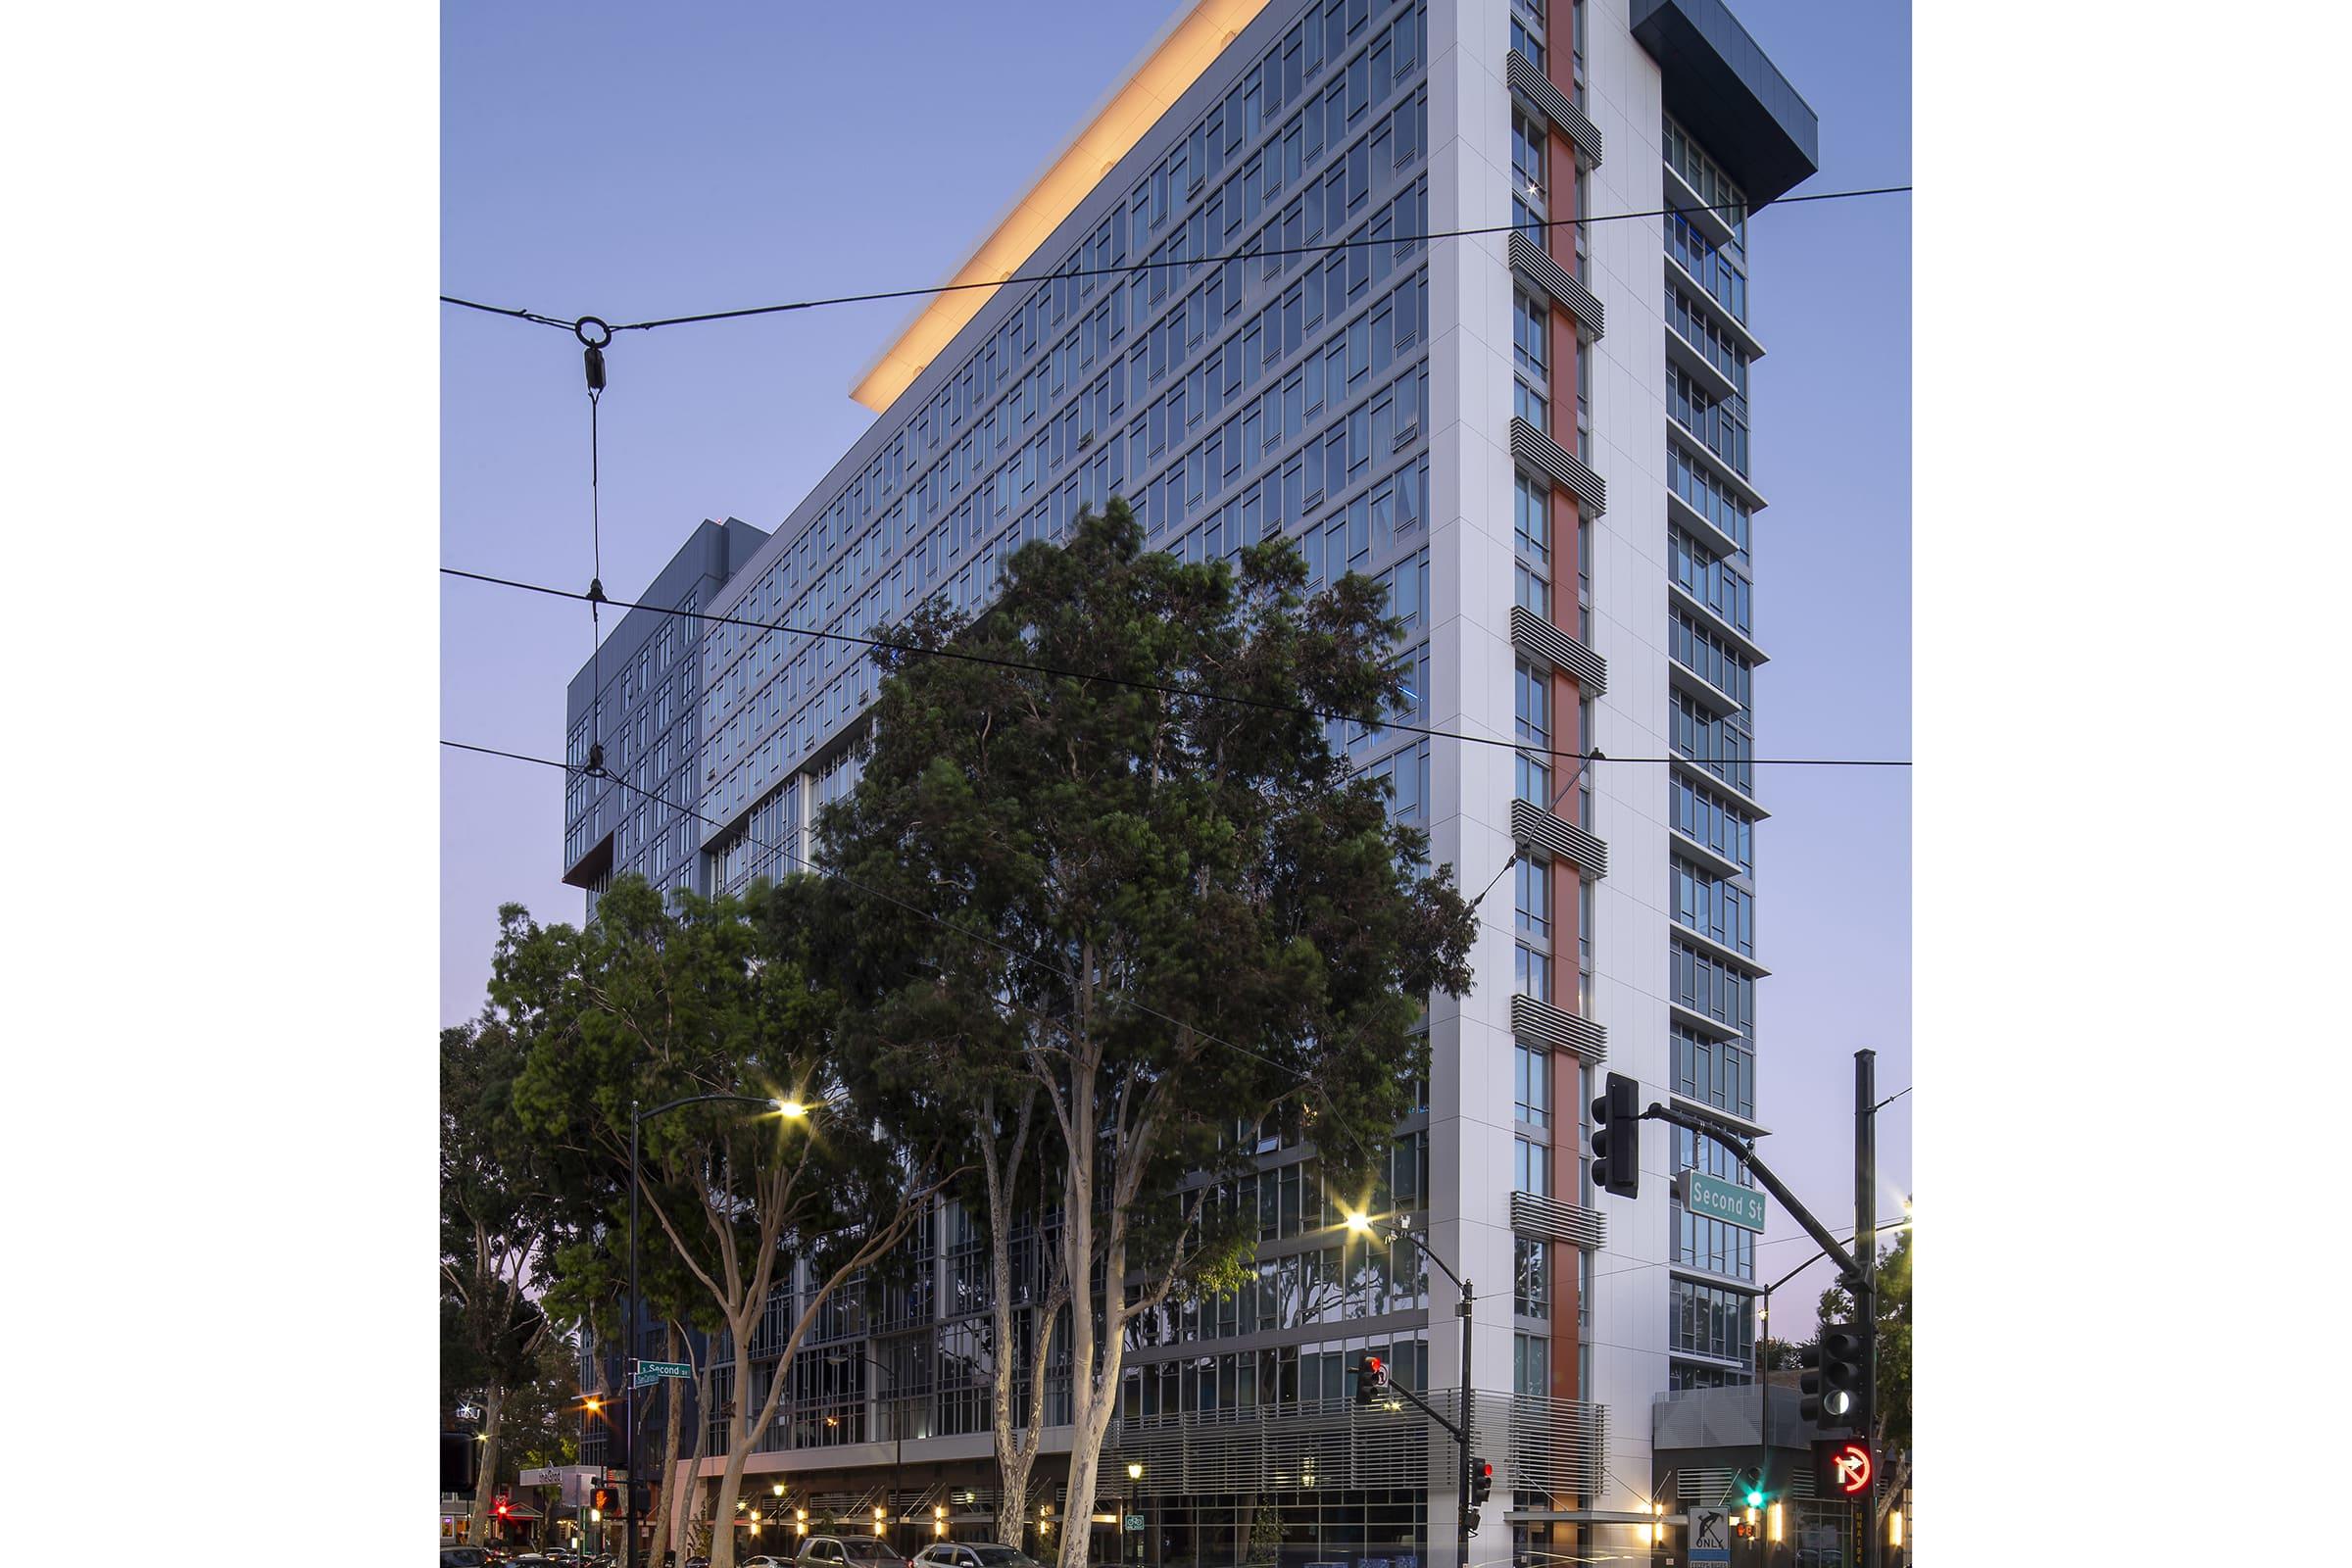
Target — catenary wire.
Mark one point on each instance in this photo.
(1126, 269)
(1160, 687)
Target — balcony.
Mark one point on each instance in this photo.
(1534, 264)
(1722, 953)
(1677, 194)
(1687, 517)
(1533, 449)
(1724, 473)
(1548, 1219)
(1531, 634)
(1681, 599)
(1716, 311)
(1540, 1023)
(1537, 89)
(1681, 351)
(1535, 829)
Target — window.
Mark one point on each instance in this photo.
(1531, 972)
(1531, 1286)
(1530, 1167)
(1720, 744)
(1530, 358)
(1532, 710)
(1531, 896)
(1712, 905)
(1529, 141)
(1708, 1320)
(1530, 1076)
(1721, 1072)
(1688, 478)
(1709, 578)
(1696, 813)
(1712, 990)
(1531, 521)
(1531, 1366)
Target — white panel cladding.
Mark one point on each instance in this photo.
(1471, 657)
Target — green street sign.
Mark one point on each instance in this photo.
(1728, 1201)
(656, 1371)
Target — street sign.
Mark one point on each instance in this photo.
(1843, 1467)
(1135, 1524)
(655, 1371)
(1710, 1537)
(1728, 1201)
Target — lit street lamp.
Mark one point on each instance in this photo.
(791, 1109)
(1135, 1473)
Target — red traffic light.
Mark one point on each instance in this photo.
(504, 1507)
(1843, 1467)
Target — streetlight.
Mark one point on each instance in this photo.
(1361, 1224)
(1135, 1473)
(791, 1108)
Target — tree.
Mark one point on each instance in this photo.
(499, 1226)
(938, 1045)
(1890, 1409)
(1183, 912)
(646, 1004)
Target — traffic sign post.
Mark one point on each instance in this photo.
(1842, 1467)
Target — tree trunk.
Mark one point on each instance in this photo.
(659, 1490)
(686, 1485)
(485, 1486)
(739, 1447)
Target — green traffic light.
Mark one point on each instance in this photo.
(1755, 1499)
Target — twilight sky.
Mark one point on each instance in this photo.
(632, 161)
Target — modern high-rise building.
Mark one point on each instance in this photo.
(635, 710)
(1558, 495)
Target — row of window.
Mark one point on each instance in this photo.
(1712, 990)
(1254, 1379)
(1720, 426)
(1709, 578)
(1718, 272)
(1720, 743)
(1708, 656)
(1701, 174)
(1726, 829)
(1698, 330)
(1712, 905)
(1705, 1320)
(1721, 1072)
(1689, 477)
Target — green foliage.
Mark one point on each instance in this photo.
(1207, 862)
(498, 1221)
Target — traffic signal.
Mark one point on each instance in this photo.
(1482, 1479)
(604, 1499)
(1831, 1384)
(1617, 1137)
(1371, 1380)
(1842, 1467)
(1751, 1486)
(505, 1508)
(1473, 1521)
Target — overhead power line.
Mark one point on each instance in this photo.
(1160, 687)
(1127, 268)
(830, 874)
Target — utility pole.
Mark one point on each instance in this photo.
(1866, 1282)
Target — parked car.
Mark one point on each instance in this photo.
(971, 1555)
(463, 1557)
(852, 1552)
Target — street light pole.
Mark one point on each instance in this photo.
(1462, 1511)
(791, 1111)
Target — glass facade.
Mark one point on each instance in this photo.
(1709, 1325)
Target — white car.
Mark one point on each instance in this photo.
(971, 1555)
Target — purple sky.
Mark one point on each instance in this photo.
(632, 161)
